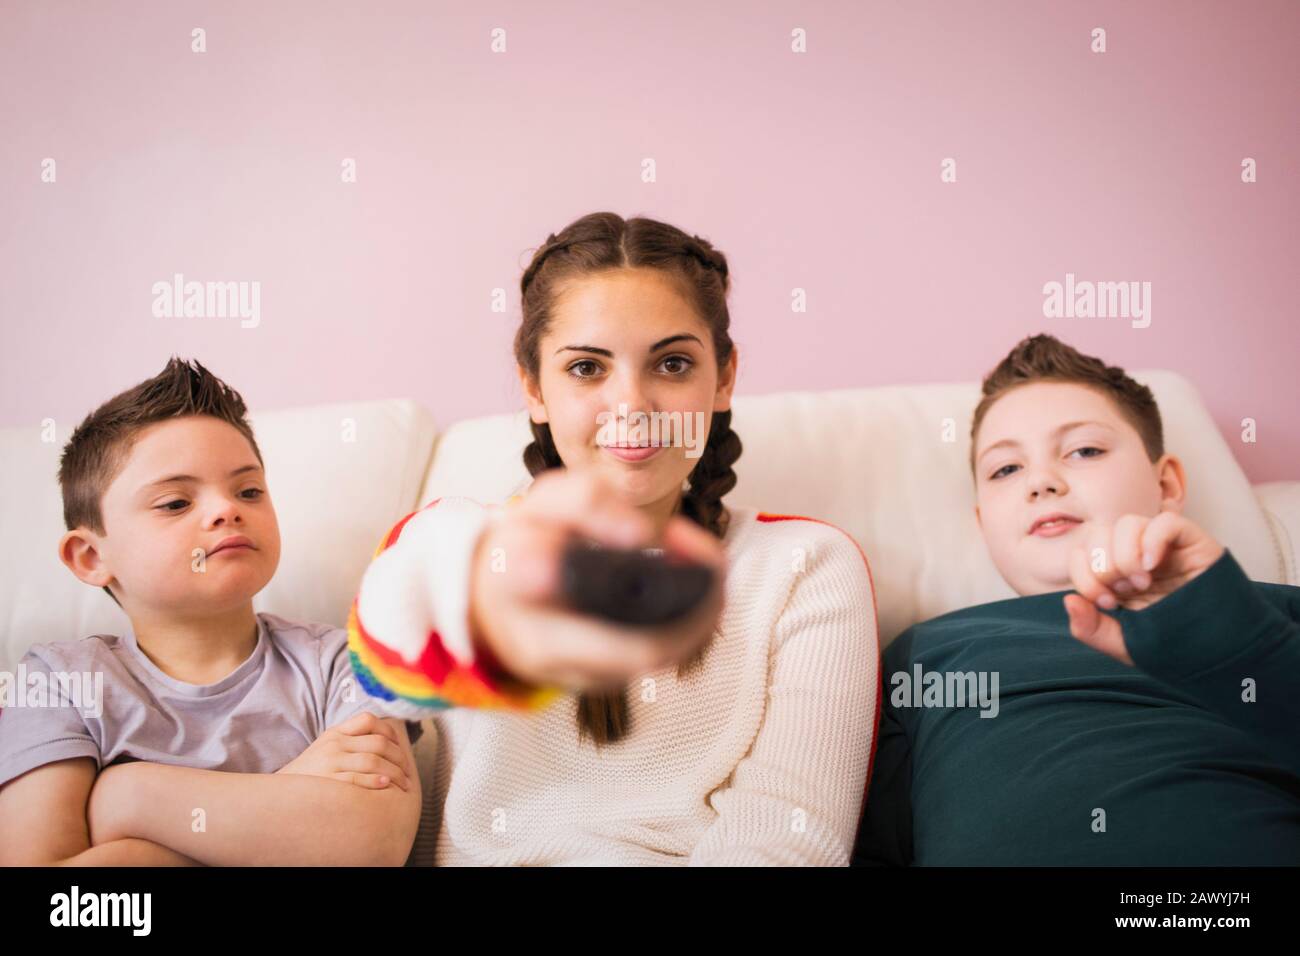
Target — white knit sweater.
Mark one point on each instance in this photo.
(759, 755)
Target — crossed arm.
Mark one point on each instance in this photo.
(148, 814)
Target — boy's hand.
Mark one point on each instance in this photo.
(1142, 560)
(363, 750)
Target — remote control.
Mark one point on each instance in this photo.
(633, 586)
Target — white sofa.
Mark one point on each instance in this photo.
(872, 461)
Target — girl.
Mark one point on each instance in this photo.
(748, 729)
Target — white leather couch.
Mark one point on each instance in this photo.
(872, 461)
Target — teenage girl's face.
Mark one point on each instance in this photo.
(626, 362)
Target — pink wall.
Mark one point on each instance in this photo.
(818, 170)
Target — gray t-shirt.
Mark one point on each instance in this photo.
(297, 683)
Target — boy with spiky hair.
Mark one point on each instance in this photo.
(1149, 716)
(223, 736)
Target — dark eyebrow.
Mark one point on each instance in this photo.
(175, 478)
(608, 354)
(1055, 432)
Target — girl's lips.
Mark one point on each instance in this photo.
(630, 453)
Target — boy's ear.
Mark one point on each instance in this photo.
(532, 395)
(1173, 483)
(79, 552)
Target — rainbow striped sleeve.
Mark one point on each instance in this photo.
(398, 652)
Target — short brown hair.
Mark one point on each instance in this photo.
(1044, 358)
(99, 446)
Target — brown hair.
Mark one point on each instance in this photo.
(99, 446)
(602, 242)
(1044, 358)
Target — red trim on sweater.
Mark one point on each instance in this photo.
(396, 531)
(435, 661)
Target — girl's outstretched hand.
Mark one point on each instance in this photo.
(516, 609)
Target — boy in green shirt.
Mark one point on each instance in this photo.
(1166, 732)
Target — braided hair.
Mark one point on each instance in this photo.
(601, 242)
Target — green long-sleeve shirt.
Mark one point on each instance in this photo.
(1191, 758)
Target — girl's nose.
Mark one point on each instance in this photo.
(629, 399)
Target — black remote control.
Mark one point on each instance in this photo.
(632, 586)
